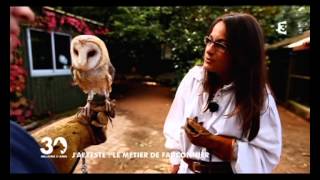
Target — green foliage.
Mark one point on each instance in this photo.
(182, 28)
(136, 24)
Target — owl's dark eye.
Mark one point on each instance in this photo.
(75, 51)
(92, 53)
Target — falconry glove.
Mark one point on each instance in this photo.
(79, 132)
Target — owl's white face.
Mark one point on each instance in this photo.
(85, 53)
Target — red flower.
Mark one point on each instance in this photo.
(101, 31)
(62, 20)
(15, 42)
(51, 20)
(16, 112)
(17, 77)
(21, 119)
(28, 113)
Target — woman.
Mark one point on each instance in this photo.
(224, 118)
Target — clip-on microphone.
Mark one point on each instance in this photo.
(213, 106)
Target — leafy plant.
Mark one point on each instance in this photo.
(20, 107)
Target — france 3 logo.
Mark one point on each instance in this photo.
(282, 27)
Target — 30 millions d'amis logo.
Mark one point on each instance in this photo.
(49, 144)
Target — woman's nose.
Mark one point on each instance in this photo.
(211, 48)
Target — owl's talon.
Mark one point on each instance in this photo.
(97, 124)
(102, 118)
(85, 111)
(108, 106)
(81, 111)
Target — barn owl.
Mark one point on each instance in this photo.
(91, 68)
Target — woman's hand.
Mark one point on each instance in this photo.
(196, 133)
(222, 146)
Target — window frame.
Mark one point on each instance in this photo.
(46, 72)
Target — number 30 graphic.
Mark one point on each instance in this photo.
(49, 145)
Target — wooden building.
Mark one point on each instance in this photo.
(289, 73)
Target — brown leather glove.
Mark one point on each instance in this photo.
(221, 146)
(78, 131)
(98, 120)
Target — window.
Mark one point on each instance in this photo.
(48, 53)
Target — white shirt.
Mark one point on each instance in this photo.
(260, 155)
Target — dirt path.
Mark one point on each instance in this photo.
(138, 125)
(295, 144)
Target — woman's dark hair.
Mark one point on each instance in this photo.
(248, 69)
